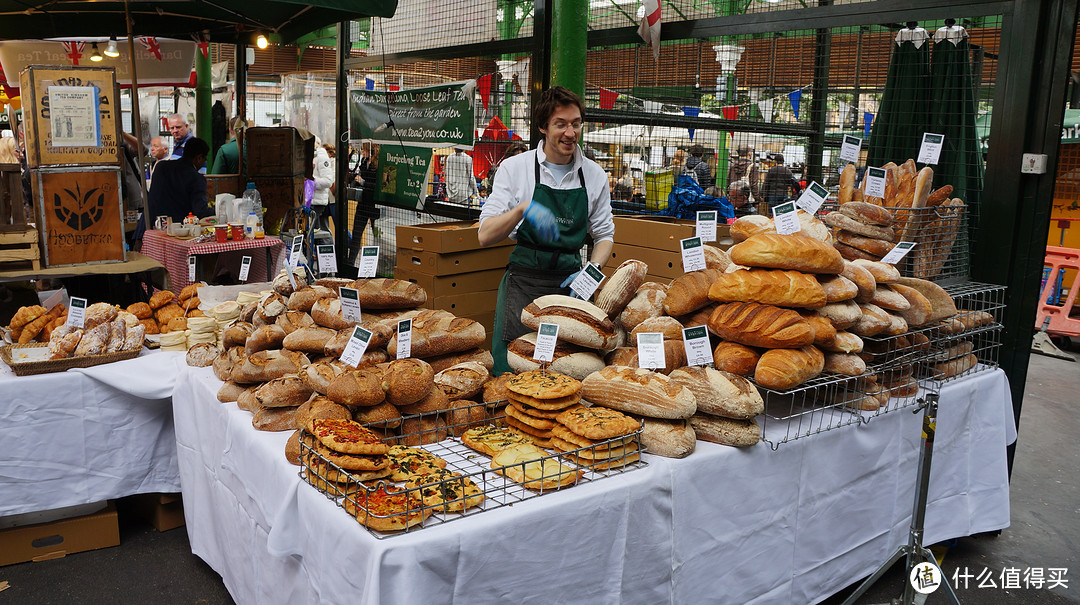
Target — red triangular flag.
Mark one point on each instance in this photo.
(731, 112)
(607, 98)
(483, 84)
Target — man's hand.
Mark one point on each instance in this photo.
(543, 221)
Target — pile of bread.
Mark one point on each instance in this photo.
(35, 323)
(106, 329)
(166, 312)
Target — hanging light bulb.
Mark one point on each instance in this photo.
(262, 42)
(96, 55)
(110, 48)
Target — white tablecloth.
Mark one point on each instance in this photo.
(723, 525)
(87, 435)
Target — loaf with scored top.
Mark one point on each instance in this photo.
(780, 288)
(689, 292)
(758, 325)
(782, 369)
(638, 391)
(789, 252)
(580, 322)
(618, 289)
(388, 293)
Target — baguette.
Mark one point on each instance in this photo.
(783, 369)
(735, 358)
(759, 325)
(689, 292)
(638, 391)
(720, 393)
(726, 431)
(847, 184)
(387, 293)
(789, 252)
(618, 289)
(936, 240)
(780, 288)
(939, 195)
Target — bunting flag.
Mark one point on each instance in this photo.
(369, 84)
(766, 109)
(74, 50)
(694, 112)
(649, 30)
(731, 112)
(204, 47)
(151, 45)
(483, 84)
(868, 121)
(795, 96)
(653, 106)
(607, 98)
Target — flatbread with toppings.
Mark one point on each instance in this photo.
(571, 437)
(559, 403)
(490, 439)
(534, 468)
(603, 465)
(448, 492)
(387, 508)
(542, 384)
(514, 411)
(320, 468)
(347, 437)
(536, 412)
(593, 453)
(409, 462)
(598, 423)
(352, 462)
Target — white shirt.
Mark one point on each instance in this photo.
(324, 177)
(514, 184)
(460, 183)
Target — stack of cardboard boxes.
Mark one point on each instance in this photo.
(655, 241)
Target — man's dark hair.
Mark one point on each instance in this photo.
(551, 100)
(697, 150)
(195, 146)
(778, 158)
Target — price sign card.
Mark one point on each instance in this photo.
(245, 268)
(358, 343)
(546, 338)
(812, 197)
(650, 350)
(693, 254)
(327, 258)
(786, 219)
(587, 281)
(294, 258)
(696, 343)
(898, 252)
(77, 312)
(191, 268)
(706, 225)
(930, 150)
(875, 182)
(350, 303)
(404, 338)
(849, 150)
(369, 261)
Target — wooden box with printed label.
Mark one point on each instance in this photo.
(72, 116)
(81, 219)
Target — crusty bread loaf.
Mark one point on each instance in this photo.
(291, 321)
(718, 259)
(647, 302)
(847, 364)
(699, 317)
(941, 304)
(225, 361)
(874, 247)
(824, 330)
(357, 387)
(735, 358)
(265, 366)
(759, 325)
(439, 333)
(845, 342)
(287, 391)
(789, 252)
(230, 391)
(782, 369)
(638, 391)
(811, 226)
(674, 357)
(839, 220)
(889, 299)
(387, 293)
(386, 415)
(463, 381)
(720, 393)
(668, 438)
(407, 381)
(851, 253)
(867, 213)
(318, 376)
(847, 184)
(842, 315)
(618, 289)
(439, 363)
(308, 340)
(883, 273)
(746, 227)
(919, 310)
(874, 321)
(726, 431)
(862, 278)
(838, 288)
(668, 326)
(580, 322)
(572, 360)
(380, 336)
(689, 292)
(780, 288)
(936, 239)
(955, 367)
(265, 337)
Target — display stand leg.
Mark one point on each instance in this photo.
(914, 552)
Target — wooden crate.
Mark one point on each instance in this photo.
(82, 220)
(39, 111)
(278, 195)
(278, 152)
(12, 209)
(19, 250)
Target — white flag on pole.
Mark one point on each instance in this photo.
(649, 30)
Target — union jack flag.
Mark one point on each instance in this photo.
(151, 45)
(74, 50)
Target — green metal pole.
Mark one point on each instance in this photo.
(569, 30)
(203, 87)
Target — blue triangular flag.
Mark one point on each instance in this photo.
(868, 121)
(794, 96)
(691, 111)
(369, 84)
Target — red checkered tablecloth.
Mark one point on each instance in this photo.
(173, 253)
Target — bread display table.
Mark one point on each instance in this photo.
(174, 253)
(753, 525)
(88, 434)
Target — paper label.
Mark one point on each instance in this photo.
(327, 259)
(77, 312)
(358, 344)
(898, 252)
(245, 268)
(369, 261)
(191, 268)
(696, 343)
(812, 197)
(587, 281)
(546, 338)
(650, 350)
(875, 182)
(786, 219)
(350, 303)
(404, 338)
(849, 150)
(706, 225)
(693, 254)
(930, 150)
(294, 258)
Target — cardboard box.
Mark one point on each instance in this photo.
(457, 236)
(45, 541)
(663, 233)
(163, 511)
(38, 82)
(445, 285)
(82, 220)
(467, 303)
(434, 263)
(663, 263)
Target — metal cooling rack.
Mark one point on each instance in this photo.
(943, 251)
(817, 405)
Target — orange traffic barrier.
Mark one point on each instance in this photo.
(1059, 260)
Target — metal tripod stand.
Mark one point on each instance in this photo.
(914, 551)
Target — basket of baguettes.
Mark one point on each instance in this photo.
(108, 334)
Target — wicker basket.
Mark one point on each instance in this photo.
(29, 368)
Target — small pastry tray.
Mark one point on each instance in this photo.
(31, 359)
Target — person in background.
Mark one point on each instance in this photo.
(744, 168)
(778, 180)
(159, 152)
(678, 161)
(513, 149)
(547, 200)
(700, 167)
(8, 148)
(324, 178)
(331, 152)
(738, 193)
(178, 188)
(132, 184)
(366, 211)
(227, 160)
(178, 126)
(460, 183)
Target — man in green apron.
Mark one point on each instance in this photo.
(548, 200)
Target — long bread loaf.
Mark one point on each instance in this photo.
(782, 369)
(759, 325)
(790, 252)
(580, 322)
(638, 391)
(689, 292)
(781, 288)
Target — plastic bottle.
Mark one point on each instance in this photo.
(254, 206)
(249, 225)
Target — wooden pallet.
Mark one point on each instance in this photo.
(19, 250)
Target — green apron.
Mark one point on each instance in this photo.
(537, 267)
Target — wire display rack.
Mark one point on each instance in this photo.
(942, 253)
(474, 485)
(820, 404)
(970, 342)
